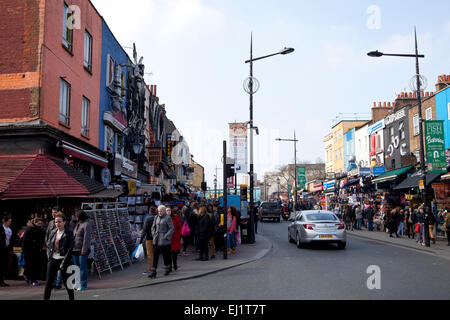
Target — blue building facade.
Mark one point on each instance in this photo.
(443, 112)
(113, 117)
(349, 149)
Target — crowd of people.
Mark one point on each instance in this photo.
(398, 221)
(190, 229)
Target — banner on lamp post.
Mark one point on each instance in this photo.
(301, 178)
(239, 146)
(436, 158)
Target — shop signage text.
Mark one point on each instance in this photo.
(435, 146)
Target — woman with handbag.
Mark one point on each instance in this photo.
(59, 252)
(175, 243)
(185, 230)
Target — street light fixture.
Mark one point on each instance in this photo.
(295, 165)
(419, 104)
(251, 92)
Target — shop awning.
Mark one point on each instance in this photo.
(41, 176)
(391, 175)
(351, 182)
(413, 181)
(446, 177)
(73, 151)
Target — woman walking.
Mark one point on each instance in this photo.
(175, 243)
(33, 245)
(82, 246)
(231, 229)
(204, 233)
(358, 216)
(212, 232)
(410, 218)
(447, 226)
(59, 251)
(162, 231)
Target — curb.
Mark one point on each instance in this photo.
(429, 251)
(259, 256)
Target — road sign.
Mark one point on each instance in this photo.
(301, 178)
(435, 146)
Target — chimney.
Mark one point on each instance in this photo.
(442, 83)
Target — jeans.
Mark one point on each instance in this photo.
(231, 237)
(52, 270)
(370, 224)
(358, 224)
(400, 229)
(82, 262)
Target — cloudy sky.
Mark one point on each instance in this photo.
(195, 51)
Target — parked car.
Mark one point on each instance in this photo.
(271, 210)
(317, 226)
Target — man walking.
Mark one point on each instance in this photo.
(147, 235)
(370, 213)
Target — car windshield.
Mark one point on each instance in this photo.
(270, 205)
(320, 217)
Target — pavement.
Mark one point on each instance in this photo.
(440, 249)
(131, 276)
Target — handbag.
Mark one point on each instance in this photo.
(417, 229)
(21, 262)
(185, 231)
(138, 253)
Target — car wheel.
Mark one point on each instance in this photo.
(342, 245)
(299, 242)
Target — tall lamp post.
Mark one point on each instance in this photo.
(418, 84)
(278, 182)
(251, 89)
(295, 165)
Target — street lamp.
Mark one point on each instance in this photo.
(251, 91)
(419, 104)
(278, 182)
(295, 165)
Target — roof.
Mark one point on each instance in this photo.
(391, 175)
(42, 176)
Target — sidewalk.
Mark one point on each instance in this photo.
(132, 277)
(439, 249)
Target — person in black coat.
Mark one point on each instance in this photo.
(410, 218)
(204, 233)
(4, 252)
(32, 247)
(60, 245)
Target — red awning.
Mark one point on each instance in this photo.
(84, 155)
(41, 176)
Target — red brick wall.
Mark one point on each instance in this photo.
(21, 24)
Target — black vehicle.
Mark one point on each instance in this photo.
(285, 212)
(271, 210)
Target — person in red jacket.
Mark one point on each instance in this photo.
(175, 244)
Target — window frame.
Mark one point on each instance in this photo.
(429, 110)
(85, 116)
(64, 85)
(67, 32)
(89, 51)
(416, 123)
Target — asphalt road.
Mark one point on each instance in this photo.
(317, 272)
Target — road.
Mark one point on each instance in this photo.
(317, 272)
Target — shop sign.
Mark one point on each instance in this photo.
(376, 127)
(301, 178)
(376, 171)
(394, 117)
(125, 166)
(239, 146)
(435, 146)
(364, 172)
(331, 175)
(117, 120)
(154, 155)
(329, 185)
(354, 172)
(106, 177)
(317, 187)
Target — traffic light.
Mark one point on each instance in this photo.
(204, 187)
(229, 170)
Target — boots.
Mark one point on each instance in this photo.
(152, 274)
(229, 251)
(168, 271)
(234, 251)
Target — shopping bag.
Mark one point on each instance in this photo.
(185, 231)
(417, 230)
(238, 238)
(138, 253)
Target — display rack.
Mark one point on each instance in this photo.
(111, 236)
(138, 207)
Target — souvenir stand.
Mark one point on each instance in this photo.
(111, 235)
(138, 207)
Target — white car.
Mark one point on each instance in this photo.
(317, 226)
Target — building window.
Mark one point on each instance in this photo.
(392, 134)
(67, 37)
(120, 145)
(88, 51)
(416, 124)
(429, 114)
(64, 102)
(85, 117)
(401, 129)
(110, 72)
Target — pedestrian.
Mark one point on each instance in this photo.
(162, 230)
(257, 215)
(5, 248)
(33, 245)
(175, 243)
(401, 219)
(59, 251)
(147, 235)
(358, 216)
(392, 223)
(231, 230)
(213, 223)
(219, 236)
(370, 213)
(204, 233)
(447, 225)
(347, 217)
(410, 219)
(193, 225)
(421, 221)
(430, 221)
(82, 246)
(185, 216)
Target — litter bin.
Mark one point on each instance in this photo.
(245, 236)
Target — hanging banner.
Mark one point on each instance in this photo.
(435, 146)
(239, 146)
(301, 178)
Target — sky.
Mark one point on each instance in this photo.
(195, 52)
